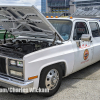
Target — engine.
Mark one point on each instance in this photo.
(19, 48)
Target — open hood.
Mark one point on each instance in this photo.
(27, 21)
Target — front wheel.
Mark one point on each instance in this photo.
(51, 78)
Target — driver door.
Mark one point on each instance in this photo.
(83, 50)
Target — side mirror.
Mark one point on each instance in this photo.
(85, 37)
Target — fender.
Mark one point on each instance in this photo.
(51, 63)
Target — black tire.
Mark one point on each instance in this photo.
(43, 77)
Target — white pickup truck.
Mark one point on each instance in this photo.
(41, 55)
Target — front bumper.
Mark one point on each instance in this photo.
(12, 83)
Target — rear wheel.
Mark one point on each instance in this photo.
(51, 78)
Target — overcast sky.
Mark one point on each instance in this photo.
(37, 3)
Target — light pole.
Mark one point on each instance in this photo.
(65, 3)
(65, 7)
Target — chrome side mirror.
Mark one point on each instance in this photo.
(86, 37)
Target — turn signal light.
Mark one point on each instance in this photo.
(30, 78)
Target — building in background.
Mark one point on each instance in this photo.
(86, 3)
(87, 8)
(43, 6)
(66, 7)
(56, 7)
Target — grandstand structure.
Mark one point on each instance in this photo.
(85, 3)
(87, 12)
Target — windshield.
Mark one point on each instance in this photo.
(63, 27)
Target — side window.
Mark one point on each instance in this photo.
(80, 28)
(95, 29)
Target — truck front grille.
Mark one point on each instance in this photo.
(2, 65)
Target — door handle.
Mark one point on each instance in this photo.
(78, 44)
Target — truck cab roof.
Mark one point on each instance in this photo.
(73, 19)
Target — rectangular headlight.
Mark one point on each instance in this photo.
(12, 62)
(16, 73)
(20, 63)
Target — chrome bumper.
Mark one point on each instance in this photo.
(15, 83)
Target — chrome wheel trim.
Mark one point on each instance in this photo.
(52, 79)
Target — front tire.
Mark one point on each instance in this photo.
(50, 78)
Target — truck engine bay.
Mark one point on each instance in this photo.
(28, 22)
(19, 48)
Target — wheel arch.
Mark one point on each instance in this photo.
(61, 64)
